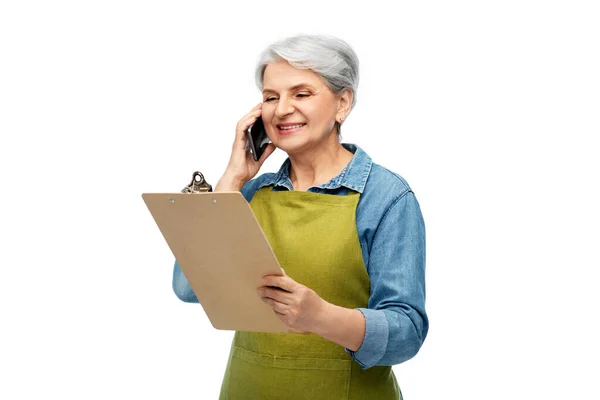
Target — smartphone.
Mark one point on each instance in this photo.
(257, 138)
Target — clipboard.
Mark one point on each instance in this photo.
(224, 254)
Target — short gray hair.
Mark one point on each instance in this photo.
(329, 57)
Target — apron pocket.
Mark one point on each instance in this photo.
(261, 376)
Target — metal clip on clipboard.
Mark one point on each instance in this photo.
(198, 184)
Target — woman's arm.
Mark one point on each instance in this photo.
(343, 326)
(393, 327)
(238, 176)
(396, 321)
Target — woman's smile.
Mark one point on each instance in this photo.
(289, 128)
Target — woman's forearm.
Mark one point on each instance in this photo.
(228, 184)
(343, 326)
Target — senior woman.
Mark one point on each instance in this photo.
(348, 232)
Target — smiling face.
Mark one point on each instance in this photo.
(299, 110)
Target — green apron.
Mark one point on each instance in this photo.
(315, 240)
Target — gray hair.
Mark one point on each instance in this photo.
(329, 57)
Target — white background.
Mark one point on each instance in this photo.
(487, 109)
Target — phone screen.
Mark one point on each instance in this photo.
(257, 138)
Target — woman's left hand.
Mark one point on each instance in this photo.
(297, 306)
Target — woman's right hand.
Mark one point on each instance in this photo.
(242, 167)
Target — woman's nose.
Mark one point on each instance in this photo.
(284, 107)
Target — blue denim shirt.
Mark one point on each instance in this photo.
(391, 232)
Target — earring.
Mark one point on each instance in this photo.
(341, 119)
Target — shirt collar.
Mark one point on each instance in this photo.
(354, 176)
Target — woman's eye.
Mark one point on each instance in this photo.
(303, 94)
(270, 98)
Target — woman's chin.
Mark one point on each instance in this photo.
(291, 145)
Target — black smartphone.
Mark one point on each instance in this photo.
(257, 138)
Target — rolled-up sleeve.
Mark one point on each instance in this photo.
(396, 321)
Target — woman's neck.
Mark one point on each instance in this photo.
(319, 165)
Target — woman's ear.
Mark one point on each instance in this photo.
(344, 104)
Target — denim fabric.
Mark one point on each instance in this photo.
(391, 232)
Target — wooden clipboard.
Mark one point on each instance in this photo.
(224, 254)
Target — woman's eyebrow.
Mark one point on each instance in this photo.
(293, 88)
(301, 86)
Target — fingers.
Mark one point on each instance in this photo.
(278, 307)
(277, 295)
(246, 121)
(281, 281)
(241, 164)
(249, 119)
